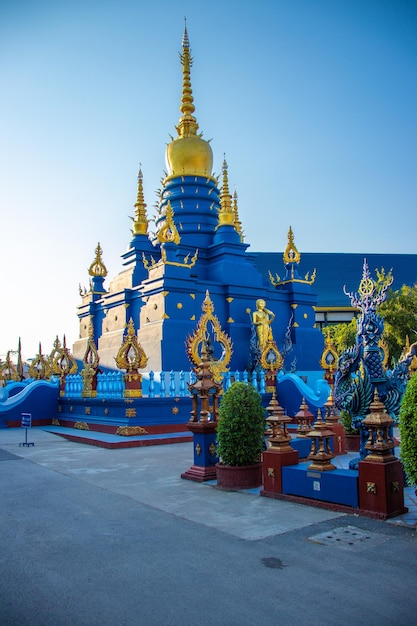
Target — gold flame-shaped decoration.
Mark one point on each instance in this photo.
(131, 355)
(271, 358)
(329, 355)
(209, 325)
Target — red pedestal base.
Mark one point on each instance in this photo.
(272, 462)
(381, 488)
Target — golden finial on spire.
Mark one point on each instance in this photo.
(188, 123)
(140, 222)
(97, 267)
(237, 222)
(291, 254)
(189, 154)
(226, 216)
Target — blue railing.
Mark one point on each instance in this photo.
(162, 385)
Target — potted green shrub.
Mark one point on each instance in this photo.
(408, 431)
(240, 438)
(352, 434)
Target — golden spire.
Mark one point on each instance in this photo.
(140, 222)
(97, 267)
(188, 154)
(226, 216)
(237, 222)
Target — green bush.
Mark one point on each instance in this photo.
(408, 430)
(346, 421)
(241, 428)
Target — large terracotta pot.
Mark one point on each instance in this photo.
(352, 443)
(235, 477)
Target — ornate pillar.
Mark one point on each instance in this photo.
(279, 452)
(381, 476)
(205, 390)
(203, 423)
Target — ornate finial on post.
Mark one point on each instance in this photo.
(140, 222)
(329, 359)
(291, 254)
(97, 267)
(303, 417)
(8, 370)
(131, 357)
(207, 326)
(63, 364)
(321, 453)
(279, 440)
(39, 368)
(271, 362)
(91, 361)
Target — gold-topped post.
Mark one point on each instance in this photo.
(303, 418)
(321, 453)
(279, 452)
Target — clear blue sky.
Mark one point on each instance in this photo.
(313, 102)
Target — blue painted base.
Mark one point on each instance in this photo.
(302, 445)
(336, 486)
(204, 449)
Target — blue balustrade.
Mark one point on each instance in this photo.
(111, 384)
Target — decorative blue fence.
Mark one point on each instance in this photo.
(161, 385)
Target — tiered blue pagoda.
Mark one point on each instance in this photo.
(198, 247)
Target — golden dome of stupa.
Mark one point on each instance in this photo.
(189, 154)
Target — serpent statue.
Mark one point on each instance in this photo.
(361, 368)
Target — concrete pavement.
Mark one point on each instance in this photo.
(98, 536)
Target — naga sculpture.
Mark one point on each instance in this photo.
(361, 368)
